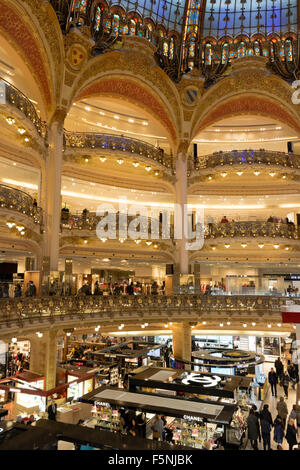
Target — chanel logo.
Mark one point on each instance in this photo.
(205, 380)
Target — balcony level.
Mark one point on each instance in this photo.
(26, 315)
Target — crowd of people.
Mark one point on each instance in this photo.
(260, 426)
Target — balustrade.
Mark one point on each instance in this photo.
(17, 99)
(16, 200)
(252, 230)
(246, 157)
(117, 143)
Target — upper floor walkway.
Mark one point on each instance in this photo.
(25, 315)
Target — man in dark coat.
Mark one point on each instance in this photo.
(279, 368)
(266, 423)
(253, 429)
(52, 410)
(273, 381)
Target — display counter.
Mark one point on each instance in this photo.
(188, 422)
(72, 413)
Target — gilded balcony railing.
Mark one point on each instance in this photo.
(19, 312)
(246, 157)
(19, 201)
(118, 143)
(17, 99)
(251, 229)
(90, 220)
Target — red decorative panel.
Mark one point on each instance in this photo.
(13, 25)
(135, 93)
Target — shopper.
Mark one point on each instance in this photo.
(18, 291)
(282, 410)
(273, 381)
(224, 220)
(285, 383)
(52, 410)
(206, 445)
(158, 428)
(266, 423)
(291, 434)
(278, 430)
(292, 371)
(253, 429)
(279, 368)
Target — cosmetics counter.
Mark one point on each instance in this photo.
(188, 422)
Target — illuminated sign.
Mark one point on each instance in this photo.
(101, 403)
(205, 381)
(193, 418)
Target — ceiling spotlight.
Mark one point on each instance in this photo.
(86, 160)
(22, 233)
(120, 161)
(284, 177)
(121, 240)
(204, 323)
(269, 325)
(272, 173)
(156, 173)
(136, 164)
(146, 324)
(228, 323)
(102, 159)
(20, 228)
(40, 335)
(131, 120)
(69, 333)
(85, 241)
(147, 168)
(239, 173)
(143, 326)
(276, 246)
(21, 130)
(213, 248)
(116, 117)
(87, 108)
(243, 245)
(10, 224)
(137, 241)
(155, 246)
(106, 260)
(26, 139)
(103, 239)
(279, 324)
(14, 340)
(257, 173)
(10, 120)
(227, 246)
(253, 323)
(145, 123)
(261, 245)
(221, 324)
(244, 325)
(148, 243)
(166, 325)
(224, 174)
(209, 178)
(287, 248)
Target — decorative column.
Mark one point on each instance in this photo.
(51, 189)
(181, 206)
(43, 352)
(182, 341)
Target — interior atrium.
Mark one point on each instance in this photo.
(128, 131)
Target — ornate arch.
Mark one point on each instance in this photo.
(250, 90)
(134, 76)
(35, 33)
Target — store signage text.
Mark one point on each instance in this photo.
(101, 403)
(193, 418)
(206, 381)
